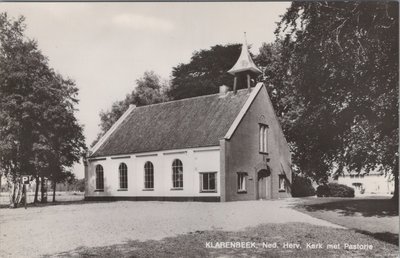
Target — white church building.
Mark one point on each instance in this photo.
(222, 147)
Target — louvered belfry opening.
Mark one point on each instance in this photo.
(243, 80)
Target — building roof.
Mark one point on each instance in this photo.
(188, 123)
(244, 63)
(363, 172)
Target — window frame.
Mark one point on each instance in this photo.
(282, 180)
(176, 175)
(263, 138)
(148, 182)
(242, 182)
(99, 184)
(202, 174)
(123, 169)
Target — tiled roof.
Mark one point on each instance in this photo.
(188, 123)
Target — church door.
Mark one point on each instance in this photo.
(264, 184)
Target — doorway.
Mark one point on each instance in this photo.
(264, 184)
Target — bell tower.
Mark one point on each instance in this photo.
(244, 68)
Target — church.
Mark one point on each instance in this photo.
(222, 147)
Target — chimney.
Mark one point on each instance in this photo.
(223, 89)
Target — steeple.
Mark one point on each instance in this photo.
(244, 66)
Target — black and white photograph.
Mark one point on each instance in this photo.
(199, 129)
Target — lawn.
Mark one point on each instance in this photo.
(377, 217)
(194, 244)
(61, 197)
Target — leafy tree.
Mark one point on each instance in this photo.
(38, 130)
(276, 77)
(150, 89)
(343, 60)
(21, 66)
(63, 177)
(206, 71)
(64, 136)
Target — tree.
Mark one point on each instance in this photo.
(63, 177)
(276, 77)
(21, 66)
(343, 60)
(150, 89)
(64, 140)
(38, 129)
(206, 71)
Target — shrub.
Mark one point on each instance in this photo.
(302, 186)
(323, 191)
(80, 185)
(335, 190)
(338, 190)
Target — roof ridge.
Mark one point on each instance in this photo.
(187, 99)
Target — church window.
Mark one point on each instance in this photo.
(177, 174)
(263, 134)
(123, 176)
(282, 186)
(148, 175)
(99, 177)
(208, 182)
(241, 182)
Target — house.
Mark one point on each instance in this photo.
(374, 182)
(222, 147)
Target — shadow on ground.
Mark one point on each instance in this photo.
(194, 244)
(388, 237)
(356, 214)
(365, 207)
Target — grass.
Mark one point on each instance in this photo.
(377, 217)
(61, 198)
(367, 207)
(194, 244)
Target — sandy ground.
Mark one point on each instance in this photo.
(47, 230)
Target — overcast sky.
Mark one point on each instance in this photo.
(105, 47)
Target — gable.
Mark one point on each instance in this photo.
(188, 123)
(246, 126)
(243, 111)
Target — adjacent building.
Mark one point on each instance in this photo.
(372, 183)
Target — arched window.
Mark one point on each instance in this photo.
(263, 138)
(148, 175)
(123, 176)
(99, 177)
(177, 174)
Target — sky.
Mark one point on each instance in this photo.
(106, 47)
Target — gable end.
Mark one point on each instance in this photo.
(243, 111)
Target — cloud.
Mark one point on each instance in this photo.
(141, 22)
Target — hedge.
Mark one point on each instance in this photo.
(335, 190)
(302, 186)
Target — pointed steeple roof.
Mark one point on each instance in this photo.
(245, 62)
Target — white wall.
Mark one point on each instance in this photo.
(194, 161)
(373, 184)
